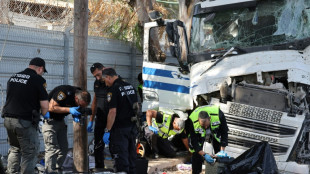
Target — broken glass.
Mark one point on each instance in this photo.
(271, 22)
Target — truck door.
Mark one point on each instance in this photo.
(165, 75)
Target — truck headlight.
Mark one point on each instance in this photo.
(150, 96)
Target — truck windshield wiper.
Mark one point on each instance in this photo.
(231, 51)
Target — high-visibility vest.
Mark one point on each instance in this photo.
(163, 128)
(213, 112)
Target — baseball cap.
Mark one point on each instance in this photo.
(37, 61)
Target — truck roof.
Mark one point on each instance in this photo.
(210, 6)
(214, 3)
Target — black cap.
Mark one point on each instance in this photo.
(37, 61)
(96, 66)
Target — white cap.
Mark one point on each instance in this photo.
(181, 114)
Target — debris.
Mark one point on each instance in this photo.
(182, 167)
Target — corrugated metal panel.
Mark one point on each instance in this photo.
(20, 45)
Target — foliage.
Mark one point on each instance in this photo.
(111, 19)
(118, 20)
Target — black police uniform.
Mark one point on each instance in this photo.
(54, 129)
(124, 131)
(25, 90)
(100, 90)
(196, 139)
(64, 95)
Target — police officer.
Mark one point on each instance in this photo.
(161, 125)
(26, 92)
(100, 109)
(121, 96)
(202, 118)
(63, 100)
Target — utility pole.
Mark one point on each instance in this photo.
(80, 149)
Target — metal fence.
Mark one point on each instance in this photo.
(18, 45)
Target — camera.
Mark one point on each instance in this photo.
(85, 111)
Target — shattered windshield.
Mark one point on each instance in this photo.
(270, 22)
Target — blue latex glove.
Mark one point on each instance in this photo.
(90, 126)
(106, 137)
(209, 159)
(47, 115)
(76, 119)
(221, 154)
(74, 111)
(153, 129)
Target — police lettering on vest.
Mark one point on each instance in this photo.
(26, 89)
(19, 78)
(117, 98)
(129, 90)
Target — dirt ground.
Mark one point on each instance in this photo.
(174, 170)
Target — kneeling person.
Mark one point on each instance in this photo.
(161, 125)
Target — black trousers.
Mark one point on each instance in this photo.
(197, 159)
(216, 145)
(100, 125)
(123, 149)
(159, 145)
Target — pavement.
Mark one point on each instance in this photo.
(161, 165)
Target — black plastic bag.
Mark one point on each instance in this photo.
(258, 159)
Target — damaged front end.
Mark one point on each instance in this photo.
(253, 60)
(265, 97)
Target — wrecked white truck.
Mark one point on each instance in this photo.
(250, 57)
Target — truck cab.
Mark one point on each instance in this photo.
(251, 58)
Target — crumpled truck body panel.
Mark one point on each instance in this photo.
(297, 65)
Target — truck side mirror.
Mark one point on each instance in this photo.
(179, 48)
(157, 17)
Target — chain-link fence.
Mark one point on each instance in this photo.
(44, 14)
(43, 28)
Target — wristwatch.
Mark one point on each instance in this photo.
(106, 130)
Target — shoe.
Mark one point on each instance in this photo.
(101, 170)
(60, 170)
(155, 156)
(97, 169)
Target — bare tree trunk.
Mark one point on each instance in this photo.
(143, 8)
(80, 80)
(186, 14)
(4, 11)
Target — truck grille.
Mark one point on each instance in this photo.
(247, 143)
(275, 130)
(253, 112)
